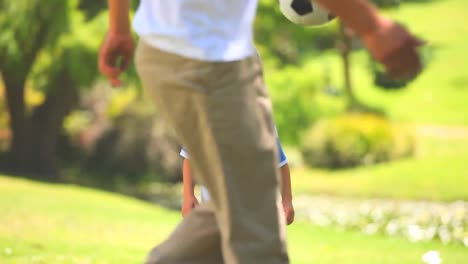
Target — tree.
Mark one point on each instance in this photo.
(48, 45)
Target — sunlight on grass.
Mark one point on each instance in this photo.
(42, 223)
(330, 246)
(46, 223)
(437, 172)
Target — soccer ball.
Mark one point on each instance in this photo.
(305, 12)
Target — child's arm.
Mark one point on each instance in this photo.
(189, 201)
(286, 194)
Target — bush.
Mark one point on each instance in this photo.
(119, 142)
(355, 139)
(136, 148)
(300, 97)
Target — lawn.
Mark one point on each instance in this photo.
(438, 171)
(47, 223)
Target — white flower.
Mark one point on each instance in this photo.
(445, 235)
(465, 241)
(415, 233)
(431, 257)
(392, 228)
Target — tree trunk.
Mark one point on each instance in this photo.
(46, 122)
(34, 139)
(18, 124)
(346, 48)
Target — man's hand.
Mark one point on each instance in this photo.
(388, 42)
(188, 204)
(288, 211)
(394, 47)
(115, 55)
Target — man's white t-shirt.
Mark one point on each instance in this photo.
(220, 30)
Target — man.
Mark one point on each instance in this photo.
(197, 60)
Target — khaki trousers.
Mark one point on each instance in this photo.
(221, 114)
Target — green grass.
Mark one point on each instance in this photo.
(59, 221)
(439, 95)
(438, 171)
(42, 223)
(324, 246)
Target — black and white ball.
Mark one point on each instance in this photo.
(305, 12)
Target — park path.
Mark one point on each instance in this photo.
(442, 131)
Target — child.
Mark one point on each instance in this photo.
(190, 201)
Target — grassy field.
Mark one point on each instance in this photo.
(42, 223)
(438, 171)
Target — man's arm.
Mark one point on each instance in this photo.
(387, 41)
(359, 15)
(116, 52)
(119, 16)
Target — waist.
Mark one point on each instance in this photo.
(208, 49)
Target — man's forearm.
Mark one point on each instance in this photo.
(359, 15)
(119, 12)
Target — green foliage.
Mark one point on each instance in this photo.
(293, 91)
(28, 26)
(281, 41)
(92, 8)
(355, 139)
(74, 53)
(51, 39)
(135, 148)
(299, 99)
(387, 3)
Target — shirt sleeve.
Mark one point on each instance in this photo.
(184, 153)
(283, 160)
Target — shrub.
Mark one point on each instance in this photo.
(354, 139)
(137, 147)
(299, 99)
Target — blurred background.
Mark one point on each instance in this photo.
(90, 174)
